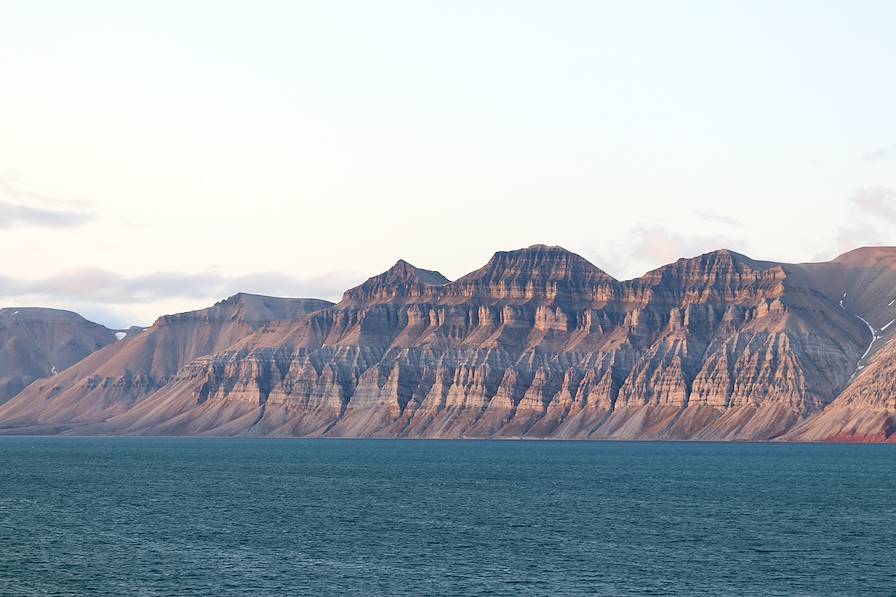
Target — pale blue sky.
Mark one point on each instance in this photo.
(156, 155)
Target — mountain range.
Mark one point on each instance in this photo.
(538, 343)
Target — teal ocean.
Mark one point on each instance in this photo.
(154, 516)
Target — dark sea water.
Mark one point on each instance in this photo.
(146, 516)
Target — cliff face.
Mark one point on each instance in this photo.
(36, 343)
(537, 343)
(115, 378)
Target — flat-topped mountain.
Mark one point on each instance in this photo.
(121, 374)
(539, 342)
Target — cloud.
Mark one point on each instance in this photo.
(22, 215)
(885, 153)
(105, 287)
(119, 301)
(19, 207)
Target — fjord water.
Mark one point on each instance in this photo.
(156, 516)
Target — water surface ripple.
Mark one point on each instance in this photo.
(160, 516)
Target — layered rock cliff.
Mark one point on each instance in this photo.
(118, 376)
(537, 343)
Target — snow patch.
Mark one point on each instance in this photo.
(891, 303)
(888, 325)
(120, 335)
(874, 338)
(53, 370)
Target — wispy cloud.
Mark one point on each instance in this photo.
(118, 300)
(105, 287)
(884, 153)
(12, 215)
(21, 207)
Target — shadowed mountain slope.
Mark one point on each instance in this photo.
(37, 342)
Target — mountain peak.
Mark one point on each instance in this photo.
(400, 281)
(540, 261)
(727, 256)
(403, 271)
(535, 272)
(717, 260)
(722, 268)
(541, 247)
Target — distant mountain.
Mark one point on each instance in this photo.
(36, 343)
(537, 343)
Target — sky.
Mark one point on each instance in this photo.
(156, 157)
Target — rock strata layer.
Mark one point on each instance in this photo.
(537, 343)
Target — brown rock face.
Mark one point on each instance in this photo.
(115, 378)
(36, 343)
(400, 283)
(537, 343)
